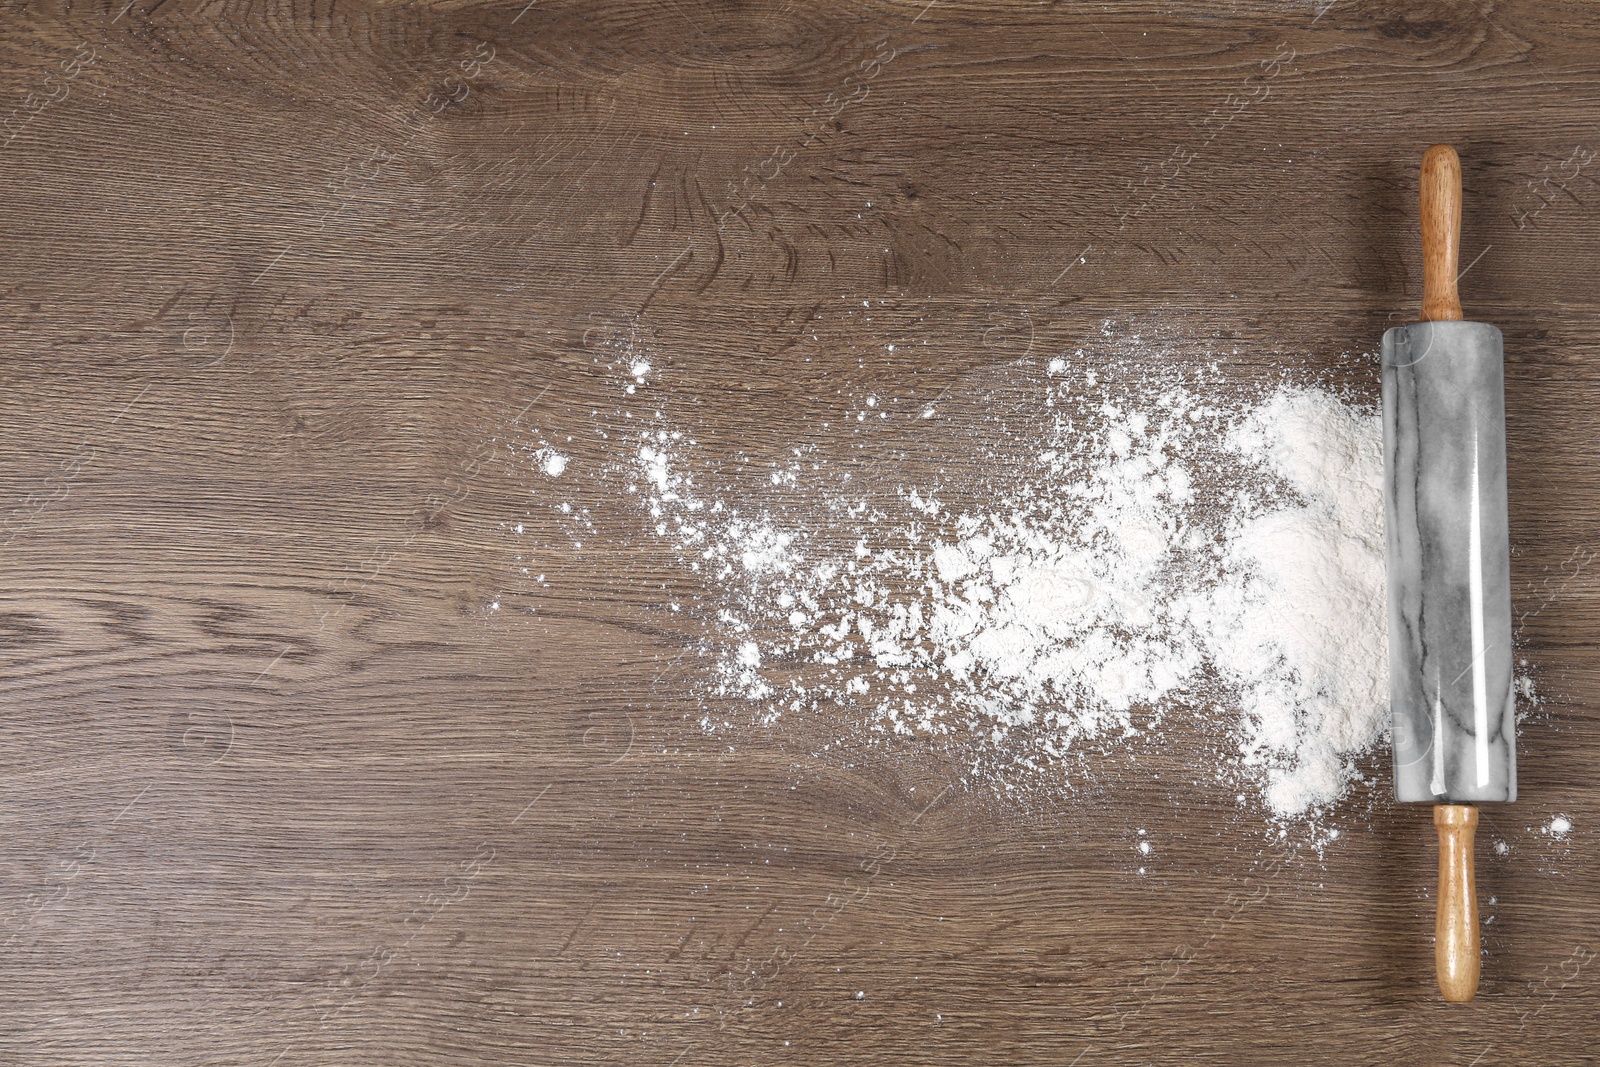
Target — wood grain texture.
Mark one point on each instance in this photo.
(1440, 210)
(1455, 926)
(304, 762)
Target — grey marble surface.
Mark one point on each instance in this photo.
(1450, 683)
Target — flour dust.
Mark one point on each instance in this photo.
(1139, 551)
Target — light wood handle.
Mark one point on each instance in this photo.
(1455, 927)
(1441, 234)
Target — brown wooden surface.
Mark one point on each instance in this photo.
(1440, 210)
(1455, 930)
(281, 786)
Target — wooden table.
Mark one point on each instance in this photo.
(305, 765)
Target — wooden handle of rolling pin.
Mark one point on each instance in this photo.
(1455, 927)
(1441, 234)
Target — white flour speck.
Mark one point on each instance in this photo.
(552, 462)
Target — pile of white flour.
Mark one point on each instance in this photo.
(1155, 551)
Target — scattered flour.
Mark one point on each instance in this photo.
(1559, 827)
(552, 462)
(1156, 552)
(1297, 624)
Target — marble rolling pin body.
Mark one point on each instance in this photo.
(1450, 682)
(1449, 572)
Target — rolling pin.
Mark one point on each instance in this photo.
(1451, 700)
